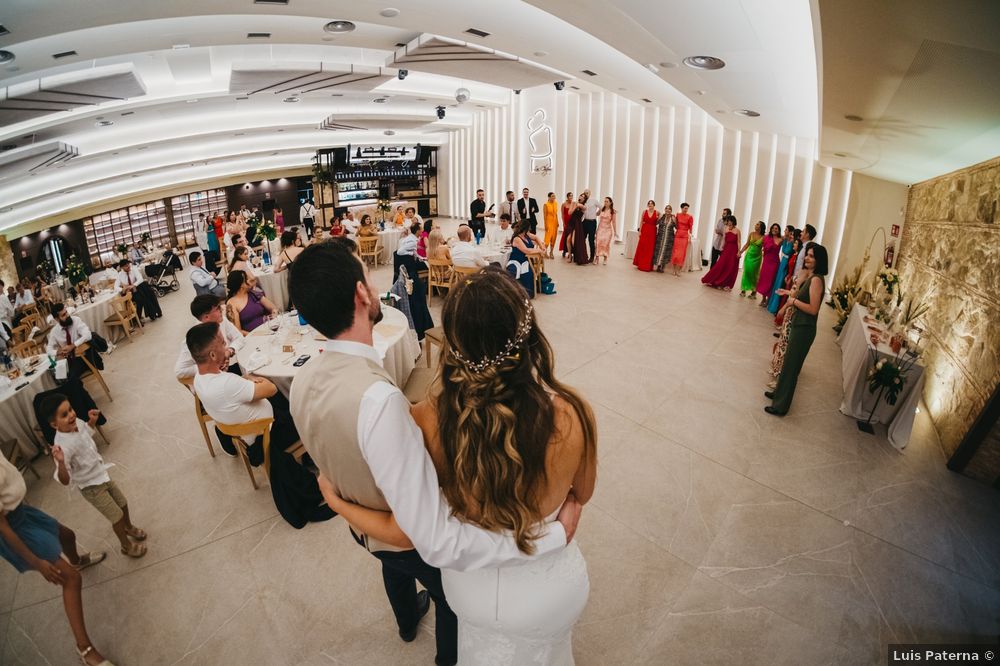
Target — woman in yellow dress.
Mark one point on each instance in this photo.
(550, 210)
(399, 216)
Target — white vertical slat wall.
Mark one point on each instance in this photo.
(635, 152)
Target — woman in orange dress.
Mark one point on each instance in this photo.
(647, 238)
(681, 237)
(550, 212)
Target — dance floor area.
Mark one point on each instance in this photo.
(718, 534)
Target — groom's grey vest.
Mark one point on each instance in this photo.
(325, 399)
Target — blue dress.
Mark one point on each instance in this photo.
(779, 279)
(520, 268)
(39, 532)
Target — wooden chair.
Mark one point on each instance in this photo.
(235, 432)
(10, 449)
(30, 311)
(369, 248)
(33, 320)
(537, 262)
(123, 315)
(199, 412)
(432, 336)
(28, 348)
(81, 350)
(19, 334)
(458, 272)
(438, 275)
(418, 384)
(133, 312)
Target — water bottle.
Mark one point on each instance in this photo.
(267, 258)
(477, 238)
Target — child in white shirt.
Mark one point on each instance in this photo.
(78, 462)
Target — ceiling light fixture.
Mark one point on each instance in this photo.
(668, 65)
(64, 54)
(290, 100)
(6, 56)
(647, 100)
(258, 35)
(853, 118)
(462, 95)
(541, 54)
(191, 101)
(704, 62)
(588, 72)
(389, 12)
(653, 68)
(389, 132)
(104, 123)
(840, 154)
(270, 2)
(380, 100)
(177, 47)
(749, 113)
(701, 92)
(128, 113)
(240, 99)
(339, 27)
(477, 32)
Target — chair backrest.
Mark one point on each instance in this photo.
(439, 273)
(119, 307)
(255, 428)
(20, 333)
(188, 383)
(368, 245)
(27, 349)
(459, 271)
(29, 310)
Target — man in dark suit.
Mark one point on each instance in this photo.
(528, 208)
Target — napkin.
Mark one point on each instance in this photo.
(62, 368)
(5, 383)
(257, 361)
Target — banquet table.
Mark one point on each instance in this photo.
(275, 286)
(495, 253)
(856, 347)
(390, 243)
(394, 340)
(17, 412)
(631, 242)
(94, 314)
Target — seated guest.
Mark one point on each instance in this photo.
(135, 254)
(206, 309)
(239, 241)
(291, 247)
(130, 282)
(464, 252)
(23, 297)
(437, 249)
(247, 308)
(349, 223)
(422, 238)
(367, 227)
(411, 217)
(70, 333)
(203, 281)
(408, 241)
(504, 234)
(240, 262)
(337, 228)
(6, 312)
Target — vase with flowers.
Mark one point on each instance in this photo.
(887, 377)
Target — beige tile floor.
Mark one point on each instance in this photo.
(717, 535)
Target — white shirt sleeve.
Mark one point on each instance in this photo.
(80, 331)
(201, 277)
(231, 335)
(185, 365)
(393, 447)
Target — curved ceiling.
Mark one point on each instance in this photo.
(107, 99)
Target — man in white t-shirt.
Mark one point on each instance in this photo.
(464, 252)
(350, 224)
(208, 308)
(503, 234)
(590, 210)
(23, 298)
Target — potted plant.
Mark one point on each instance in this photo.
(75, 271)
(122, 249)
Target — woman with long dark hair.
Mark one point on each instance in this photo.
(666, 227)
(566, 240)
(509, 441)
(751, 260)
(247, 308)
(606, 221)
(581, 251)
(771, 250)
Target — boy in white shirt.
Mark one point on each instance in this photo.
(78, 463)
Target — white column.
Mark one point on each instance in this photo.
(716, 145)
(652, 158)
(769, 191)
(789, 182)
(682, 185)
(833, 241)
(747, 215)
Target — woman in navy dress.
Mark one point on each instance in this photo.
(522, 246)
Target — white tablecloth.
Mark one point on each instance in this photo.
(275, 286)
(94, 314)
(855, 344)
(495, 254)
(394, 340)
(631, 242)
(17, 413)
(390, 243)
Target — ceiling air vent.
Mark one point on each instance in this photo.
(64, 54)
(270, 2)
(647, 100)
(588, 72)
(478, 33)
(258, 35)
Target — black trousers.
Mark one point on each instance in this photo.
(400, 571)
(590, 228)
(534, 225)
(715, 255)
(478, 226)
(308, 223)
(283, 432)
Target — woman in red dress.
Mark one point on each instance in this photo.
(647, 238)
(566, 209)
(684, 224)
(723, 274)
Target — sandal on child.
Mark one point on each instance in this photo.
(83, 657)
(136, 550)
(89, 560)
(136, 533)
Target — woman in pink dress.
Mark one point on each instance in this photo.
(606, 221)
(769, 264)
(723, 274)
(684, 224)
(647, 238)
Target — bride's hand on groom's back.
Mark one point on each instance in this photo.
(569, 516)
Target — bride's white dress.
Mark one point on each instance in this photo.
(519, 614)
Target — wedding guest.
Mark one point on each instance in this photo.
(247, 309)
(497, 377)
(143, 295)
(783, 269)
(524, 245)
(337, 228)
(508, 207)
(808, 236)
(240, 262)
(502, 234)
(607, 220)
(290, 249)
(78, 463)
(367, 228)
(718, 240)
(478, 214)
(411, 217)
(464, 252)
(666, 229)
(23, 297)
(6, 311)
(400, 217)
(307, 213)
(211, 246)
(349, 223)
(350, 446)
(751, 262)
(790, 278)
(527, 208)
(566, 240)
(70, 333)
(279, 219)
(408, 241)
(802, 330)
(204, 282)
(550, 216)
(208, 308)
(643, 259)
(723, 274)
(590, 211)
(135, 254)
(422, 235)
(684, 224)
(33, 540)
(437, 248)
(771, 251)
(783, 320)
(578, 252)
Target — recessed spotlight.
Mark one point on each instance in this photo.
(135, 175)
(177, 47)
(389, 132)
(290, 100)
(853, 118)
(701, 92)
(339, 26)
(746, 112)
(421, 99)
(668, 65)
(114, 153)
(704, 62)
(128, 113)
(588, 72)
(6, 56)
(240, 99)
(541, 54)
(142, 147)
(270, 2)
(380, 100)
(104, 123)
(389, 12)
(326, 39)
(400, 44)
(337, 95)
(653, 68)
(281, 129)
(258, 35)
(575, 87)
(274, 153)
(647, 100)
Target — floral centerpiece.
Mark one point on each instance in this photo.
(383, 206)
(889, 277)
(266, 228)
(888, 376)
(843, 297)
(122, 249)
(75, 270)
(45, 269)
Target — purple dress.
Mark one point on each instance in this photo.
(768, 266)
(253, 313)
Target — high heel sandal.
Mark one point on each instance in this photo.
(83, 657)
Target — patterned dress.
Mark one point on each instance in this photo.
(666, 226)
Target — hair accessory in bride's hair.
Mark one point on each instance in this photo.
(522, 332)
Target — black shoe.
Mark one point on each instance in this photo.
(772, 411)
(769, 395)
(775, 334)
(423, 604)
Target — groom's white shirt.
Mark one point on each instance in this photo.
(393, 448)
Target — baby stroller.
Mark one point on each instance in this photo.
(162, 277)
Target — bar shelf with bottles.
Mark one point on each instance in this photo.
(360, 182)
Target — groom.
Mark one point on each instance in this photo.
(373, 452)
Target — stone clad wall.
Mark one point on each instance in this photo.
(8, 270)
(950, 257)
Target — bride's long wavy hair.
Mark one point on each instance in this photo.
(495, 412)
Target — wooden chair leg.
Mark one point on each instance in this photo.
(241, 447)
(427, 351)
(97, 374)
(100, 431)
(208, 440)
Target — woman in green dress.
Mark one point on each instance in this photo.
(802, 329)
(751, 262)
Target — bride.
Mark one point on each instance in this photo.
(510, 443)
